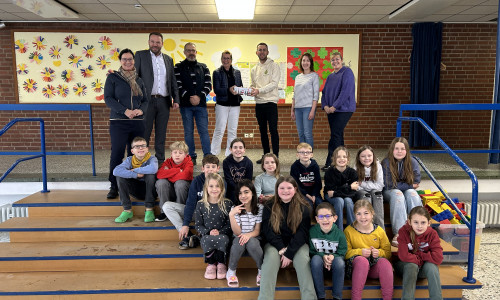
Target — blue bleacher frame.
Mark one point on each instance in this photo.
(43, 153)
(435, 107)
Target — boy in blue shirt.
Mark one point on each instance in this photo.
(181, 215)
(136, 175)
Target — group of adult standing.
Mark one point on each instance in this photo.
(141, 93)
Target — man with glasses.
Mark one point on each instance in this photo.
(157, 71)
(265, 77)
(194, 83)
(136, 176)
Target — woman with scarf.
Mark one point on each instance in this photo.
(125, 95)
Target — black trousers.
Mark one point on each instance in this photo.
(158, 113)
(140, 188)
(338, 121)
(267, 113)
(122, 132)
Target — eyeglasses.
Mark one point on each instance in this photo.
(127, 59)
(139, 146)
(321, 217)
(304, 152)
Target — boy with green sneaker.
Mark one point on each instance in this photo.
(136, 175)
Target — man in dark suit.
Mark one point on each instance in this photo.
(157, 71)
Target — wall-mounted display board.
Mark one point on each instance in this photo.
(69, 67)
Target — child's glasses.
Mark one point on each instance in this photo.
(321, 217)
(304, 152)
(139, 146)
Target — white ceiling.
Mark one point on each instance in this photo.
(266, 11)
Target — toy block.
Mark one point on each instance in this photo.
(428, 192)
(439, 194)
(446, 207)
(454, 221)
(457, 216)
(445, 221)
(436, 209)
(460, 205)
(444, 215)
(452, 199)
(420, 192)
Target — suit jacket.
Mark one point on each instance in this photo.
(144, 67)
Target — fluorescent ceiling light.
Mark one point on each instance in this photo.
(47, 8)
(235, 9)
(417, 9)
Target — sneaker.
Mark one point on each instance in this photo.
(161, 218)
(193, 159)
(124, 217)
(149, 216)
(325, 168)
(259, 161)
(113, 193)
(194, 241)
(184, 244)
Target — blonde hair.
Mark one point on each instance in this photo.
(276, 160)
(336, 153)
(297, 206)
(220, 201)
(393, 163)
(304, 146)
(179, 146)
(363, 204)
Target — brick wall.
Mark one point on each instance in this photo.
(468, 52)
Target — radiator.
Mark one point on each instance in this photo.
(7, 212)
(488, 212)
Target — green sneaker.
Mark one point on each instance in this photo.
(124, 216)
(149, 216)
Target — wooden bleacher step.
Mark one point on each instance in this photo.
(189, 284)
(76, 203)
(71, 248)
(86, 229)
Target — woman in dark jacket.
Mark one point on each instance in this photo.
(125, 95)
(227, 108)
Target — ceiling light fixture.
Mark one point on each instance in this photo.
(47, 8)
(417, 9)
(235, 9)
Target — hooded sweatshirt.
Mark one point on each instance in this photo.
(173, 172)
(308, 178)
(428, 243)
(265, 77)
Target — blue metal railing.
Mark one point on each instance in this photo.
(42, 154)
(436, 107)
(472, 224)
(55, 107)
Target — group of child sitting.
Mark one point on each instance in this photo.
(271, 218)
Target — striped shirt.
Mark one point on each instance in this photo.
(248, 221)
(306, 89)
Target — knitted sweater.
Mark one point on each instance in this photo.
(376, 239)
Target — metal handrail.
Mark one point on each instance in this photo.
(42, 154)
(56, 107)
(472, 224)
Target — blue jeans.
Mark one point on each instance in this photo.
(401, 203)
(338, 204)
(304, 125)
(337, 271)
(200, 114)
